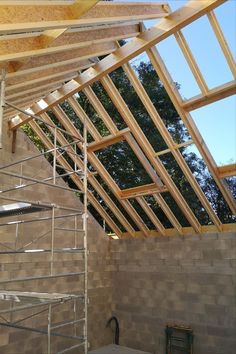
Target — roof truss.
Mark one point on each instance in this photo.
(133, 135)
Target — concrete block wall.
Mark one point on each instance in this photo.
(188, 280)
(146, 283)
(24, 265)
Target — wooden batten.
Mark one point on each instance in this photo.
(226, 171)
(147, 189)
(109, 140)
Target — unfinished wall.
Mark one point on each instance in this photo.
(24, 265)
(188, 280)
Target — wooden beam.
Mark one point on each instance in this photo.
(46, 88)
(226, 171)
(25, 84)
(175, 147)
(97, 105)
(222, 41)
(22, 77)
(150, 213)
(23, 18)
(213, 95)
(170, 143)
(17, 17)
(147, 149)
(81, 56)
(191, 62)
(147, 189)
(190, 125)
(187, 231)
(47, 84)
(166, 27)
(15, 50)
(109, 140)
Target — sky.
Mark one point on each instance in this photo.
(216, 122)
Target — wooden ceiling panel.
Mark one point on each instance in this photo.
(22, 18)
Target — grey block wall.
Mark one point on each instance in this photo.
(13, 266)
(188, 280)
(146, 283)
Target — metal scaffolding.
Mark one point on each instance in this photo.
(19, 301)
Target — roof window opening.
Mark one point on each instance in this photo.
(225, 14)
(123, 165)
(178, 68)
(207, 52)
(217, 125)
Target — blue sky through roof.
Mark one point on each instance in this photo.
(216, 122)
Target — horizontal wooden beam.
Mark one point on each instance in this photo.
(216, 94)
(46, 83)
(175, 147)
(51, 62)
(172, 23)
(147, 189)
(226, 171)
(45, 87)
(108, 140)
(23, 18)
(16, 50)
(185, 231)
(24, 84)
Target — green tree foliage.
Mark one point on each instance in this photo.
(126, 169)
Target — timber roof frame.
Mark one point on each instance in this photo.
(30, 67)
